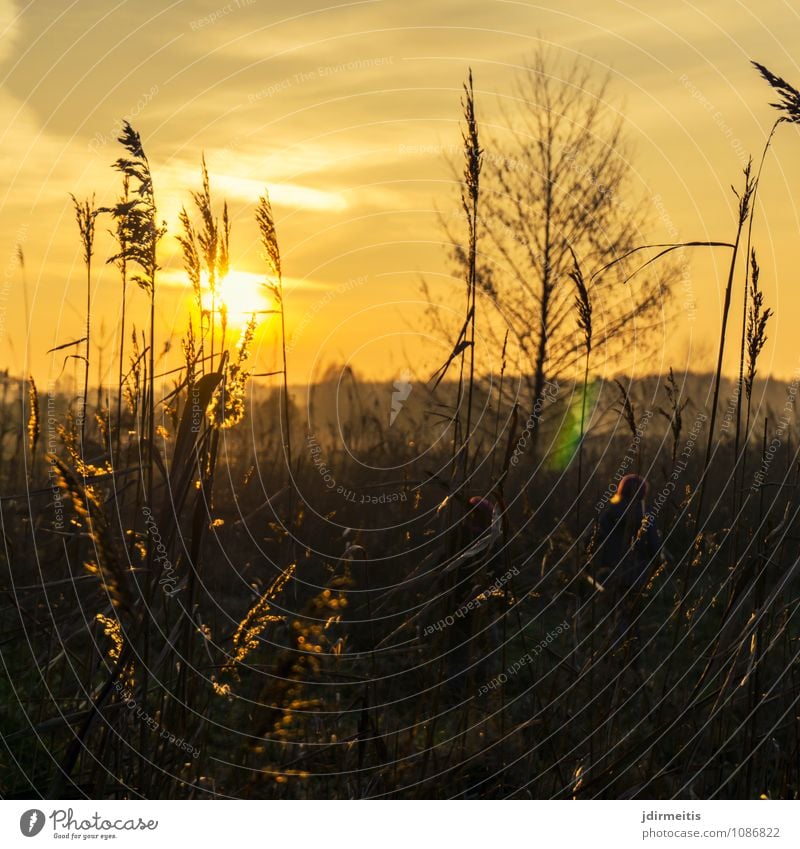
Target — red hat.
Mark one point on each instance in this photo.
(630, 487)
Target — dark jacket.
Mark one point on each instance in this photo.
(627, 543)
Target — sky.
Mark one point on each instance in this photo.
(349, 114)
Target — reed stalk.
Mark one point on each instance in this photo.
(743, 213)
(85, 215)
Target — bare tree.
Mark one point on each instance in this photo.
(557, 181)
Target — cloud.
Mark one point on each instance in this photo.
(9, 28)
(289, 195)
(235, 186)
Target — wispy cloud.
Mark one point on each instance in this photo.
(9, 27)
(282, 194)
(178, 177)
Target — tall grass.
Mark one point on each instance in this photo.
(85, 215)
(122, 237)
(470, 195)
(583, 310)
(743, 205)
(756, 337)
(269, 240)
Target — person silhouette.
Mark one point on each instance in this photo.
(627, 542)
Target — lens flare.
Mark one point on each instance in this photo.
(569, 433)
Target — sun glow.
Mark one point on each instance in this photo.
(242, 294)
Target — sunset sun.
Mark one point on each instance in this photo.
(243, 294)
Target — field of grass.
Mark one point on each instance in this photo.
(206, 594)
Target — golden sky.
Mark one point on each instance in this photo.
(348, 113)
